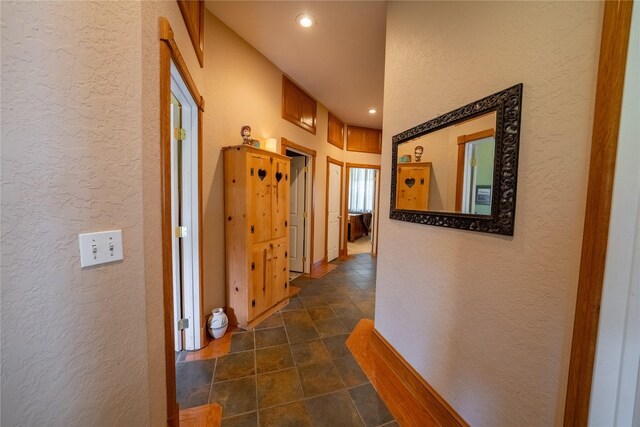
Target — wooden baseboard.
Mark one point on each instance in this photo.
(423, 392)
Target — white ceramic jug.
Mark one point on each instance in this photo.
(218, 323)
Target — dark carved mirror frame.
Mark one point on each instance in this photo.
(508, 106)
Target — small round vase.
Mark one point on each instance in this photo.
(218, 323)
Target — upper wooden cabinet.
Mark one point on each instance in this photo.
(193, 15)
(298, 107)
(365, 140)
(335, 131)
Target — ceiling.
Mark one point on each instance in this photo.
(339, 61)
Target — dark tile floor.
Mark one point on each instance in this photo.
(294, 369)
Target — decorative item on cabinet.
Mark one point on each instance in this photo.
(256, 233)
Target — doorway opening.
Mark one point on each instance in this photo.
(333, 210)
(301, 220)
(185, 244)
(361, 209)
(298, 215)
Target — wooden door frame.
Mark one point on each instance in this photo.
(463, 140)
(345, 212)
(326, 209)
(284, 145)
(606, 123)
(169, 52)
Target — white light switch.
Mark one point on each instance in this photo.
(100, 248)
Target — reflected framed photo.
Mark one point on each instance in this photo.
(483, 194)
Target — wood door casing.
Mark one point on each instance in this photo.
(259, 171)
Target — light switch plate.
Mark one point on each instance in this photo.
(100, 248)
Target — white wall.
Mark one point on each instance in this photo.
(487, 320)
(615, 377)
(73, 340)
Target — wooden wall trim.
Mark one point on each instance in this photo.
(166, 35)
(195, 34)
(345, 211)
(419, 388)
(613, 60)
(326, 207)
(169, 51)
(284, 145)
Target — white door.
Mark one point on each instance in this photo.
(296, 227)
(333, 221)
(374, 213)
(176, 122)
(184, 215)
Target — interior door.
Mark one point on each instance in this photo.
(296, 207)
(333, 212)
(176, 257)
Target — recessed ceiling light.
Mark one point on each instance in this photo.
(372, 111)
(305, 20)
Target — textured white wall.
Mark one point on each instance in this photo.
(73, 340)
(487, 320)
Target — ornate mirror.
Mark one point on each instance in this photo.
(460, 170)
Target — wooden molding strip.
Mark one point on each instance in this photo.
(423, 392)
(604, 144)
(169, 51)
(166, 35)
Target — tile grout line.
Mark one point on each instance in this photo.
(215, 367)
(255, 371)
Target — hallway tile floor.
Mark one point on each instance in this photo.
(294, 369)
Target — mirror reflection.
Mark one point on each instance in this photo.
(449, 170)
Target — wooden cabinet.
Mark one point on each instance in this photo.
(298, 107)
(365, 140)
(335, 131)
(256, 202)
(412, 186)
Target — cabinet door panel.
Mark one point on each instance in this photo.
(260, 187)
(364, 140)
(280, 198)
(260, 289)
(413, 188)
(280, 271)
